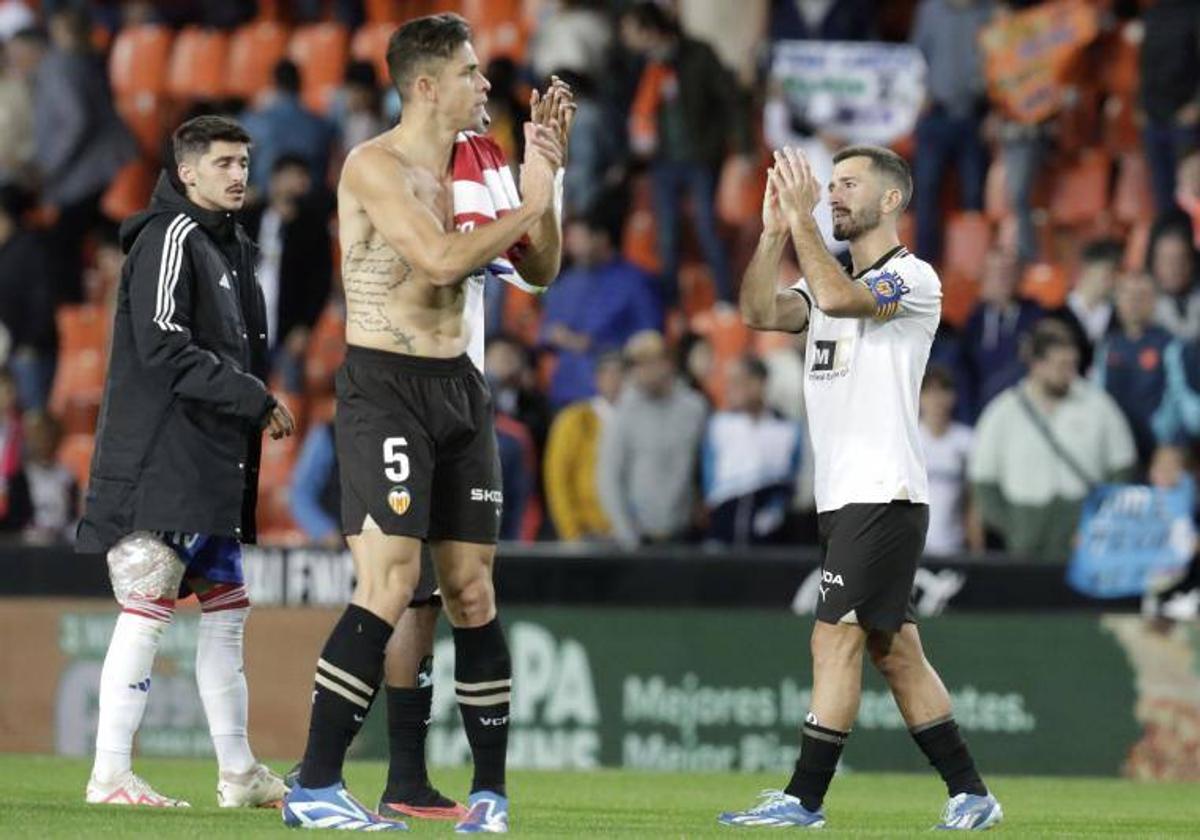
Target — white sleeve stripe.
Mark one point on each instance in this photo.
(168, 275)
(179, 238)
(162, 265)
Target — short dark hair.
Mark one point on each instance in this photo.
(422, 39)
(361, 73)
(938, 375)
(289, 160)
(1048, 334)
(650, 15)
(755, 367)
(15, 201)
(286, 75)
(1102, 250)
(197, 134)
(891, 165)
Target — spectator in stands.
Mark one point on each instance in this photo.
(26, 301)
(1172, 261)
(823, 20)
(949, 131)
(16, 122)
(696, 360)
(53, 491)
(577, 35)
(281, 124)
(1187, 191)
(507, 106)
(15, 505)
(522, 423)
(1169, 95)
(315, 494)
(356, 109)
(991, 337)
(1091, 301)
(595, 166)
(1129, 362)
(572, 457)
(688, 113)
(295, 262)
(648, 452)
(953, 525)
(735, 31)
(750, 459)
(81, 143)
(595, 306)
(1042, 445)
(510, 374)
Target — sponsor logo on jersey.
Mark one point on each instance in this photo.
(481, 495)
(831, 578)
(399, 500)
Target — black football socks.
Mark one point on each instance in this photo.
(946, 750)
(483, 684)
(820, 749)
(408, 714)
(348, 674)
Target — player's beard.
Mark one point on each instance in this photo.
(849, 227)
(482, 122)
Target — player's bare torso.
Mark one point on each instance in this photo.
(390, 304)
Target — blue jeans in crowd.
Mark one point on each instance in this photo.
(1023, 156)
(1164, 144)
(943, 139)
(670, 180)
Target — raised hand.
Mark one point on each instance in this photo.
(774, 220)
(555, 109)
(799, 190)
(537, 170)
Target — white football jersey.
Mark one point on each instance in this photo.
(862, 377)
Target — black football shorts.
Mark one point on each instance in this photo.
(869, 555)
(416, 447)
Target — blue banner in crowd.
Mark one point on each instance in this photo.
(1131, 536)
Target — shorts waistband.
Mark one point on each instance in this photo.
(417, 365)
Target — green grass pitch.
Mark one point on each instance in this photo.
(43, 797)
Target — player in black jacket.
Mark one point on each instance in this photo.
(175, 473)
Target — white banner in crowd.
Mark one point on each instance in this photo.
(863, 92)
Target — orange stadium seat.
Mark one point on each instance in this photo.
(1120, 73)
(1081, 191)
(75, 453)
(82, 358)
(697, 293)
(274, 480)
(129, 191)
(198, 62)
(967, 239)
(326, 349)
(739, 193)
(1133, 200)
(500, 28)
(959, 294)
(146, 114)
(320, 51)
(370, 44)
(1046, 283)
(381, 12)
(253, 52)
(138, 61)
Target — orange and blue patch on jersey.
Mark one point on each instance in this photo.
(888, 289)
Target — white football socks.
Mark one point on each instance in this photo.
(222, 685)
(124, 689)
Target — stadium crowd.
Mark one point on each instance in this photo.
(634, 406)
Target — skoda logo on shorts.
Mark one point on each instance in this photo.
(399, 500)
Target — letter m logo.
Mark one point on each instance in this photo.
(823, 355)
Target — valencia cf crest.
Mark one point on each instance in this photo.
(399, 500)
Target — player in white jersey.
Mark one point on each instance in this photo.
(868, 341)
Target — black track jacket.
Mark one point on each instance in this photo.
(179, 437)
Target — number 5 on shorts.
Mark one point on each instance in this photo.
(395, 462)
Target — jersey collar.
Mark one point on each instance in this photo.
(879, 263)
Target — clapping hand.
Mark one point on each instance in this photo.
(798, 189)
